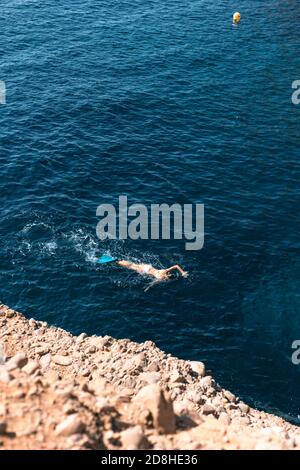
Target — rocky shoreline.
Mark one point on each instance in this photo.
(59, 391)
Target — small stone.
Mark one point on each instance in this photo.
(224, 418)
(65, 391)
(108, 437)
(198, 367)
(71, 425)
(231, 406)
(91, 350)
(30, 426)
(42, 350)
(81, 337)
(210, 391)
(206, 382)
(195, 397)
(158, 403)
(51, 376)
(181, 407)
(132, 438)
(128, 382)
(230, 396)
(62, 360)
(244, 420)
(208, 409)
(154, 366)
(2, 354)
(176, 377)
(175, 393)
(31, 367)
(102, 343)
(3, 409)
(32, 323)
(38, 332)
(150, 377)
(3, 427)
(148, 345)
(135, 363)
(4, 375)
(10, 313)
(45, 361)
(5, 333)
(17, 362)
(18, 394)
(68, 408)
(85, 372)
(127, 392)
(101, 403)
(176, 385)
(244, 408)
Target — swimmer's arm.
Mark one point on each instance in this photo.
(178, 268)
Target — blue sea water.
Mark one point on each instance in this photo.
(162, 102)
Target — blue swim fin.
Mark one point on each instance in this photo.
(106, 259)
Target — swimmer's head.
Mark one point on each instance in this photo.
(236, 17)
(172, 275)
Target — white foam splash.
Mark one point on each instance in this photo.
(84, 244)
(49, 247)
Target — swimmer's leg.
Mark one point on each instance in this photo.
(139, 268)
(152, 284)
(125, 264)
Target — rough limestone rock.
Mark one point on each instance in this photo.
(31, 367)
(158, 403)
(208, 409)
(4, 375)
(133, 438)
(198, 368)
(17, 362)
(45, 361)
(62, 360)
(71, 425)
(62, 392)
(230, 396)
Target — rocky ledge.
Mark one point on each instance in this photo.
(59, 391)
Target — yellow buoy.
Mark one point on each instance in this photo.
(237, 17)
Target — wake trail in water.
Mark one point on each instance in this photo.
(40, 239)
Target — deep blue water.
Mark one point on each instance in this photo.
(164, 102)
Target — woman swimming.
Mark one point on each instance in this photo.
(148, 270)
